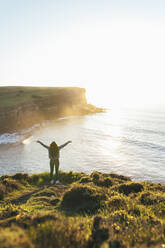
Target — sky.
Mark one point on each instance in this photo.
(113, 48)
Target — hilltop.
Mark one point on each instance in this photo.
(96, 210)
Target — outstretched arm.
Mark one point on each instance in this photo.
(42, 144)
(65, 144)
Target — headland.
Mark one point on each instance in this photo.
(23, 107)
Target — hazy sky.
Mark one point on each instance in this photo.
(114, 48)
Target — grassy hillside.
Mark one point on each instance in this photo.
(11, 97)
(97, 210)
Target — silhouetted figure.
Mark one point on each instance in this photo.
(54, 155)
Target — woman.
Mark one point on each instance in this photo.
(54, 155)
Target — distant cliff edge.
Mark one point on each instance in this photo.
(23, 107)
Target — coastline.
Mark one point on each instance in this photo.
(23, 107)
(102, 209)
(10, 136)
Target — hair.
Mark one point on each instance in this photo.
(54, 150)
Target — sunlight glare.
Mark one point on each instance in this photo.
(26, 141)
(120, 62)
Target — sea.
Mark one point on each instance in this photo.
(126, 141)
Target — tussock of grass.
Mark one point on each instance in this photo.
(7, 184)
(8, 211)
(82, 200)
(91, 211)
(106, 182)
(2, 191)
(85, 180)
(128, 188)
(119, 177)
(26, 220)
(117, 202)
(14, 237)
(147, 198)
(39, 179)
(101, 179)
(99, 234)
(11, 184)
(22, 178)
(70, 177)
(64, 232)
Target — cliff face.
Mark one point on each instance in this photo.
(40, 107)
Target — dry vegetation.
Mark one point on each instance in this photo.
(97, 210)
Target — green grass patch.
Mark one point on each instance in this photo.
(97, 210)
(11, 97)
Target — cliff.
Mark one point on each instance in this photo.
(22, 107)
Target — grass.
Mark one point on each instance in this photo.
(11, 97)
(97, 210)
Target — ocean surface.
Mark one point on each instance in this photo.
(128, 141)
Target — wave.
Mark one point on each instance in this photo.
(143, 144)
(17, 138)
(10, 138)
(144, 131)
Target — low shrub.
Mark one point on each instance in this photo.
(130, 188)
(152, 220)
(105, 182)
(148, 198)
(120, 216)
(115, 244)
(11, 184)
(69, 177)
(116, 176)
(14, 237)
(39, 179)
(26, 221)
(99, 180)
(41, 218)
(8, 211)
(95, 175)
(100, 233)
(60, 233)
(117, 202)
(21, 176)
(85, 180)
(134, 211)
(98, 237)
(2, 191)
(82, 200)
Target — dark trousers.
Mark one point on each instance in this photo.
(54, 162)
